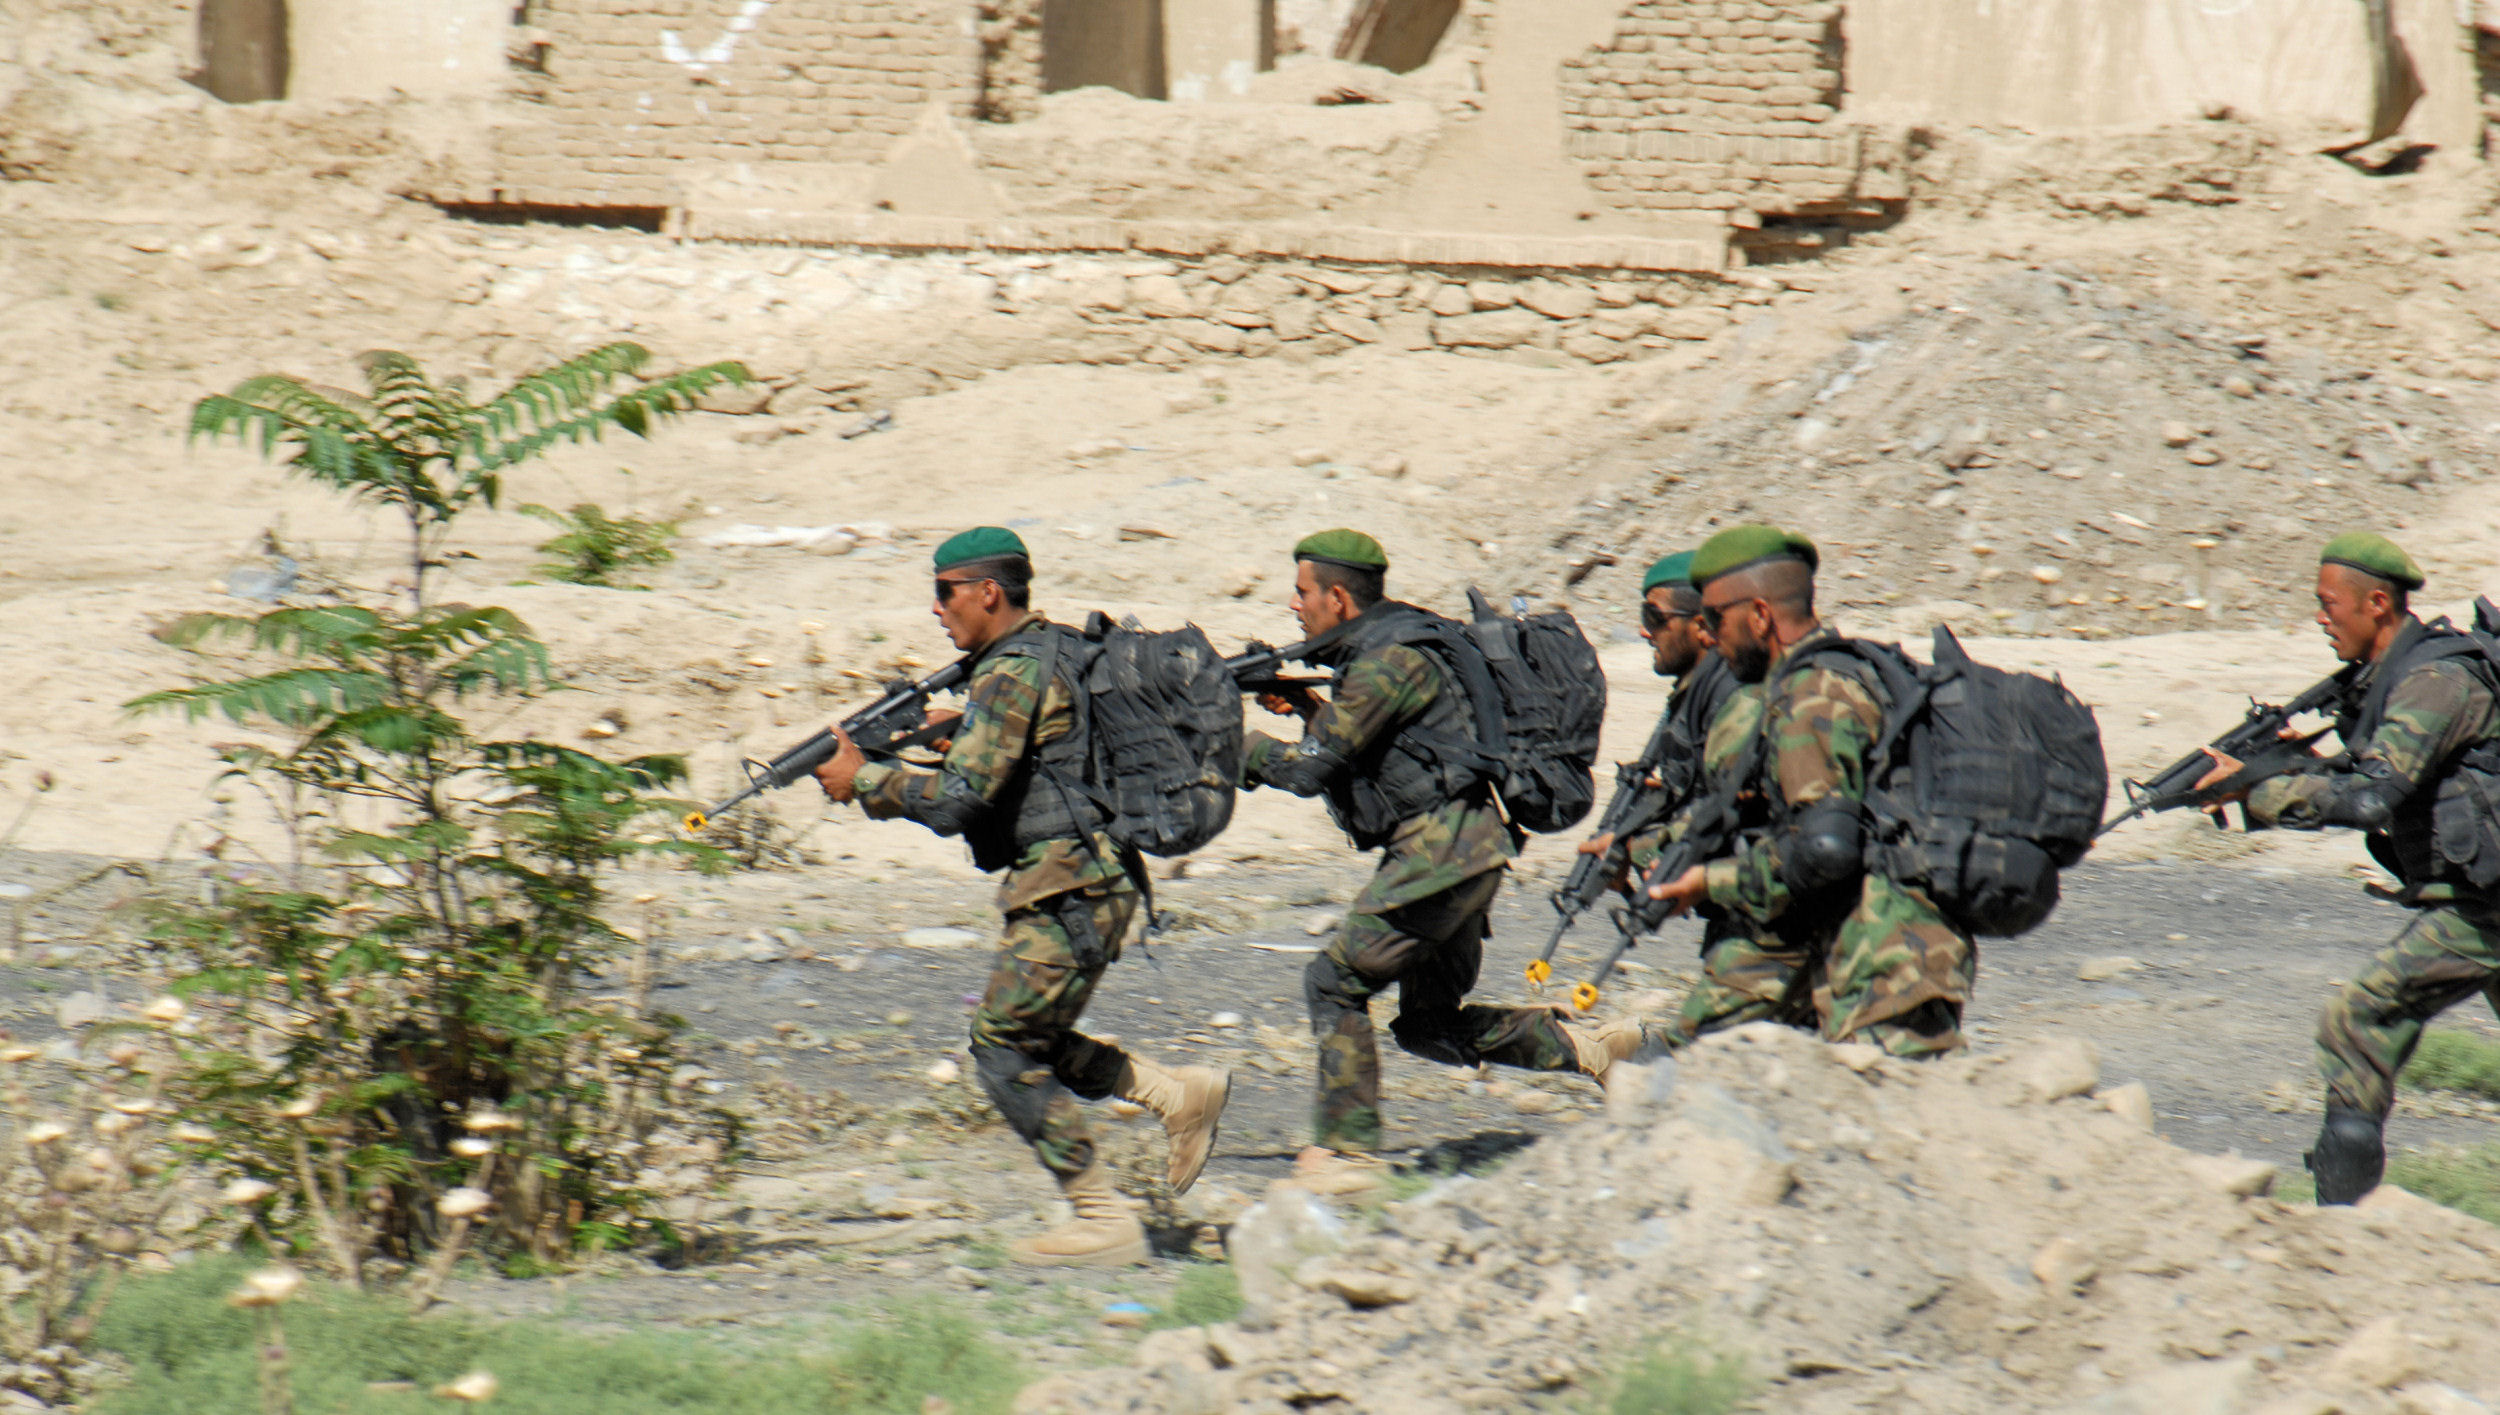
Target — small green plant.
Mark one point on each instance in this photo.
(189, 1351)
(2467, 1180)
(1207, 1293)
(593, 546)
(1680, 1376)
(397, 1005)
(2451, 1060)
(110, 302)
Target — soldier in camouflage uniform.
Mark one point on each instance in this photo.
(1009, 786)
(2420, 724)
(1422, 920)
(1709, 722)
(1887, 967)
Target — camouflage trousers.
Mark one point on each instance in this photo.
(1743, 979)
(1893, 974)
(2368, 1032)
(1896, 974)
(1025, 1047)
(1432, 950)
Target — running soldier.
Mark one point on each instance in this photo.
(2420, 774)
(1067, 894)
(1422, 920)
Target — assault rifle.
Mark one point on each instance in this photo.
(2257, 744)
(1640, 801)
(896, 720)
(1258, 668)
(1709, 832)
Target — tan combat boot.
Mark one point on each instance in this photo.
(1598, 1049)
(1104, 1234)
(1189, 1102)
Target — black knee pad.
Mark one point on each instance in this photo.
(2350, 1157)
(1323, 987)
(1434, 1037)
(1018, 1085)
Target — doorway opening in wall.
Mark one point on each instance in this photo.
(517, 213)
(1397, 35)
(243, 50)
(1103, 44)
(1814, 232)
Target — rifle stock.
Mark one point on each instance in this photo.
(881, 729)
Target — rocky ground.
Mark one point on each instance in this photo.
(2092, 401)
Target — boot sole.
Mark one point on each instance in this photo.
(1179, 1183)
(1126, 1255)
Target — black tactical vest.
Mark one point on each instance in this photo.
(1421, 766)
(1047, 799)
(2410, 846)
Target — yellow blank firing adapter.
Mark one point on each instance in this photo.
(695, 821)
(1539, 970)
(1584, 996)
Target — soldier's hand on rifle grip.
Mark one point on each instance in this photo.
(840, 773)
(1598, 844)
(1294, 702)
(2224, 768)
(946, 718)
(1686, 889)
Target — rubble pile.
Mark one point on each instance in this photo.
(1981, 1234)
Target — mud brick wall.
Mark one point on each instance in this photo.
(640, 95)
(1723, 105)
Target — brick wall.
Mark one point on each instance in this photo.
(639, 96)
(1723, 105)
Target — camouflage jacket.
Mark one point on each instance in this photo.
(2384, 781)
(1819, 725)
(1730, 732)
(1378, 694)
(981, 764)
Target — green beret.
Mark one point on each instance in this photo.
(1352, 549)
(2373, 555)
(980, 543)
(1740, 546)
(1675, 571)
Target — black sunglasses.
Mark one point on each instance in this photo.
(1712, 614)
(946, 588)
(1654, 619)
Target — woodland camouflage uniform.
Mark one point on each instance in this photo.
(1422, 920)
(1067, 902)
(2451, 951)
(1892, 971)
(1748, 975)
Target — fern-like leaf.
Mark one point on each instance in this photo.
(293, 697)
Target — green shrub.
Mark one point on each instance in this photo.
(191, 1354)
(592, 545)
(2450, 1060)
(1680, 1376)
(414, 968)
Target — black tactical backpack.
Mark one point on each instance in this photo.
(1984, 784)
(1163, 757)
(1539, 698)
(2465, 812)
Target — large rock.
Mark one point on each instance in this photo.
(1494, 329)
(1556, 300)
(2059, 1067)
(1276, 1235)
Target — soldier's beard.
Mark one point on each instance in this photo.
(1751, 663)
